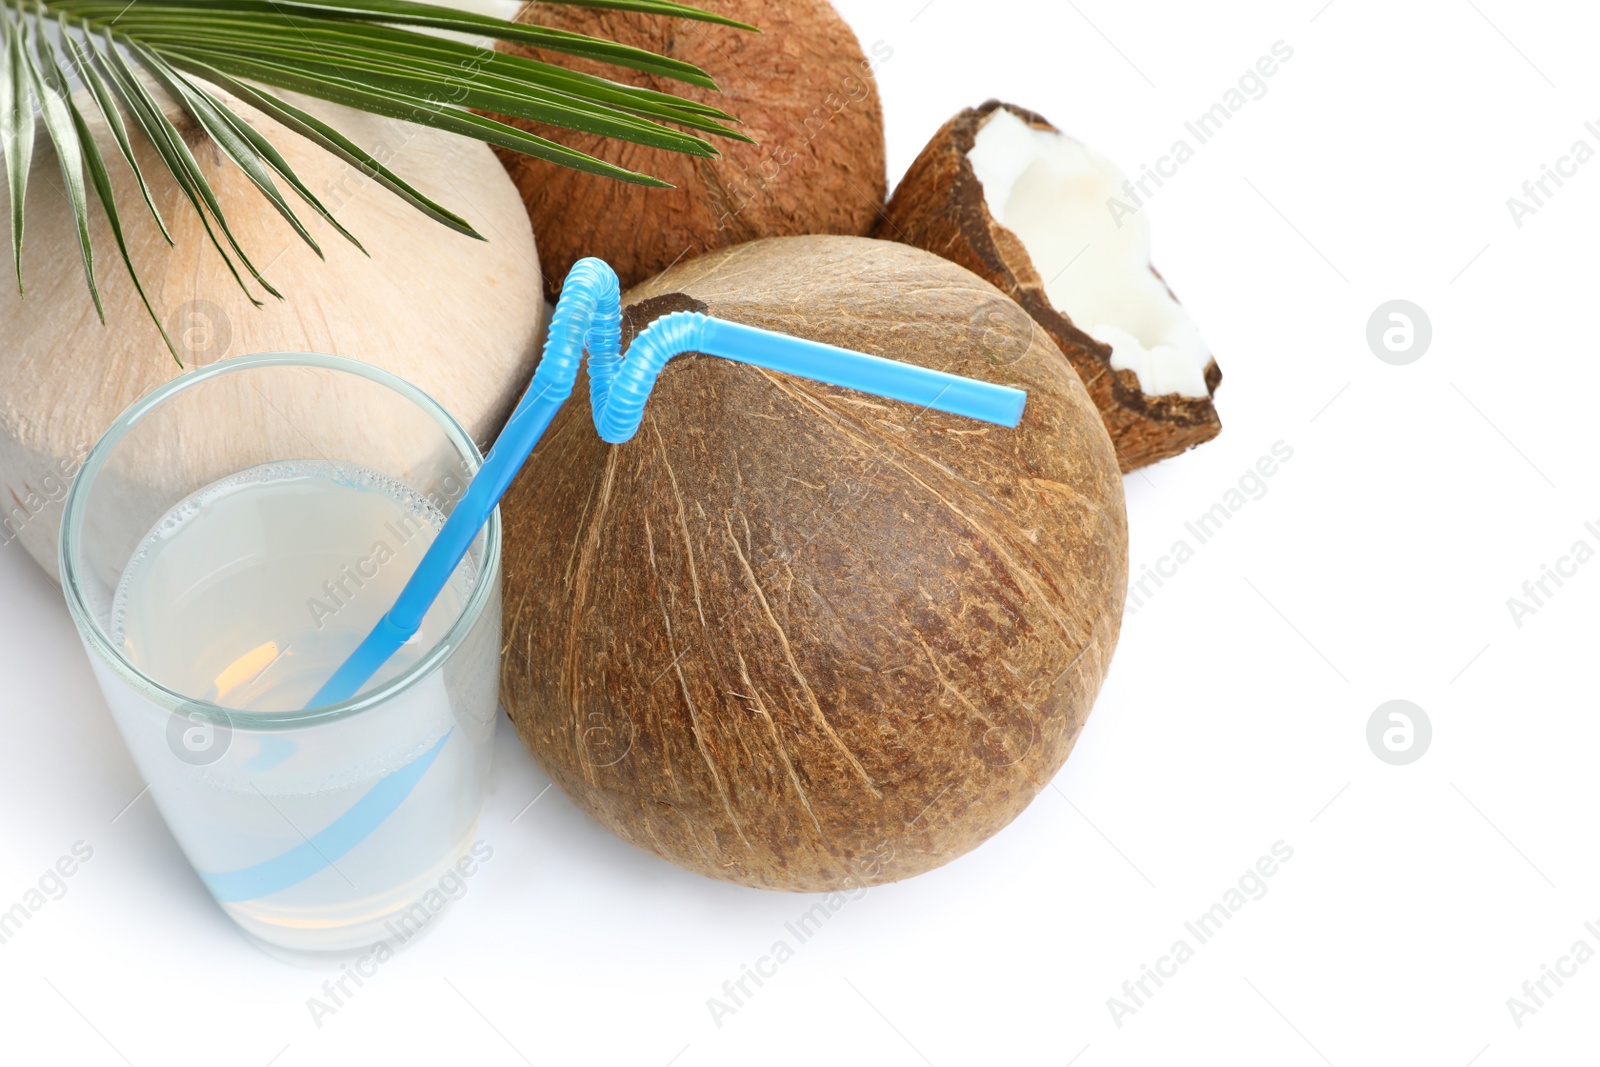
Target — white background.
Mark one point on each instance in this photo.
(1377, 566)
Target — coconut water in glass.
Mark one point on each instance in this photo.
(256, 572)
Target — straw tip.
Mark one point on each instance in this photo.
(1013, 410)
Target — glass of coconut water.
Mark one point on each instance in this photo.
(228, 542)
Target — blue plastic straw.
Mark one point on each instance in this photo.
(589, 315)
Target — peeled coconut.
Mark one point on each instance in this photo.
(1005, 194)
(458, 317)
(803, 638)
(802, 88)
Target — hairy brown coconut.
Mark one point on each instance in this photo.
(1050, 222)
(802, 638)
(802, 89)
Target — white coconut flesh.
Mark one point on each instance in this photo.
(1054, 193)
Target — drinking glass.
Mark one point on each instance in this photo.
(318, 830)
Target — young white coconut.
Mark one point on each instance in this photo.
(1005, 194)
(457, 317)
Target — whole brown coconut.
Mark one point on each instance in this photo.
(803, 638)
(802, 89)
(941, 206)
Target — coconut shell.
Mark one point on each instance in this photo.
(458, 317)
(940, 206)
(802, 88)
(802, 638)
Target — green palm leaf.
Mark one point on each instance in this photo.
(379, 56)
(16, 129)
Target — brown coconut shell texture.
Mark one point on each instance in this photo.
(798, 637)
(802, 88)
(940, 206)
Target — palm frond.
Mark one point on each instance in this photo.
(55, 106)
(16, 129)
(379, 56)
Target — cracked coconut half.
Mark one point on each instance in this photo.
(1005, 194)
